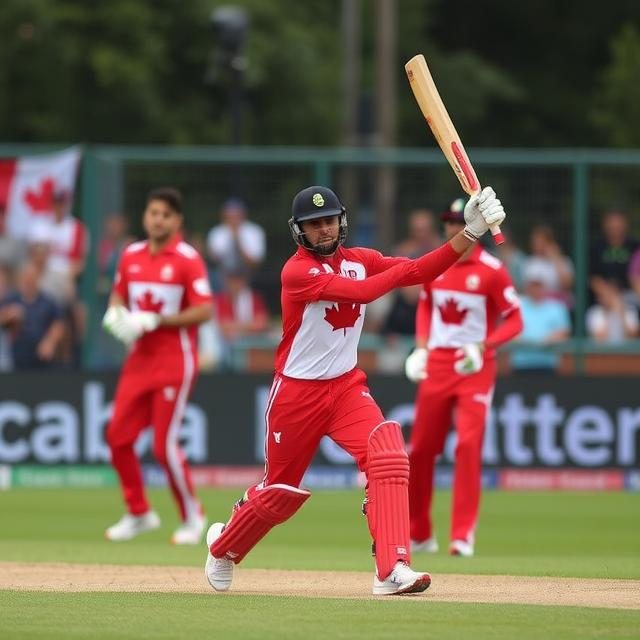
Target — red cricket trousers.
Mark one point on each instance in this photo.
(152, 392)
(300, 412)
(445, 398)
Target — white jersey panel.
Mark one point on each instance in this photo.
(326, 344)
(155, 296)
(457, 318)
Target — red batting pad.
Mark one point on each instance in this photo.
(388, 496)
(264, 509)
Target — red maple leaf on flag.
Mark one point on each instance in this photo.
(342, 316)
(147, 302)
(40, 199)
(450, 313)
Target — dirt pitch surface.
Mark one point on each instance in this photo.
(578, 592)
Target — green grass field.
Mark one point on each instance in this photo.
(554, 534)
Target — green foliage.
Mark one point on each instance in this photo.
(616, 110)
(132, 71)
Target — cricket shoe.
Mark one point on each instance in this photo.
(430, 545)
(403, 579)
(190, 531)
(129, 526)
(461, 548)
(218, 571)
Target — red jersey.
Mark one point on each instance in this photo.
(465, 304)
(166, 282)
(324, 300)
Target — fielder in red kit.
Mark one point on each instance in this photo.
(160, 295)
(318, 389)
(462, 317)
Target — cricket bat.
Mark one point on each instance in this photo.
(434, 112)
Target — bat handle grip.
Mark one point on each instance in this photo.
(498, 238)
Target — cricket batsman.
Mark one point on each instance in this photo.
(159, 297)
(318, 389)
(463, 316)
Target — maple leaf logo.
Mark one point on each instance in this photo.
(342, 316)
(40, 199)
(147, 302)
(450, 313)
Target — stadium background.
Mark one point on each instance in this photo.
(546, 100)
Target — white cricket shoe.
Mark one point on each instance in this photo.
(218, 571)
(129, 526)
(430, 545)
(190, 531)
(403, 579)
(461, 548)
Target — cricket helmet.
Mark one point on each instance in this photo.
(312, 203)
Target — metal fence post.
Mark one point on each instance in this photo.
(322, 174)
(90, 217)
(581, 257)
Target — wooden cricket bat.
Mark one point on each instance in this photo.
(445, 133)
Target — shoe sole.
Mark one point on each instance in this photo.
(418, 586)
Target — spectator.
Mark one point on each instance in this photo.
(9, 315)
(35, 320)
(546, 322)
(236, 243)
(611, 319)
(634, 276)
(513, 258)
(239, 311)
(114, 238)
(66, 240)
(422, 235)
(611, 254)
(12, 251)
(545, 248)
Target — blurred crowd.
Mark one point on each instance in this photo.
(543, 275)
(42, 320)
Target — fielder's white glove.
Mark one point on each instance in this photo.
(415, 366)
(127, 326)
(482, 211)
(469, 360)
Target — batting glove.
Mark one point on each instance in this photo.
(128, 326)
(116, 322)
(415, 366)
(470, 359)
(482, 211)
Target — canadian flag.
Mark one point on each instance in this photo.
(27, 185)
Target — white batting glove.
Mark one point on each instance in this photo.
(128, 326)
(470, 359)
(482, 211)
(146, 321)
(116, 322)
(415, 366)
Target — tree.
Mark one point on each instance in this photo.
(616, 110)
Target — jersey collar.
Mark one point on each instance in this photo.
(170, 247)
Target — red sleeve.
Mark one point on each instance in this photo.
(197, 290)
(423, 316)
(120, 284)
(79, 246)
(375, 262)
(259, 307)
(504, 296)
(305, 282)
